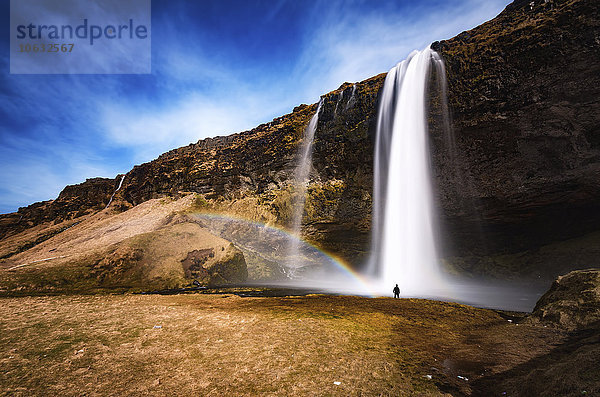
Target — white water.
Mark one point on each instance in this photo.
(352, 99)
(403, 238)
(404, 220)
(115, 192)
(300, 181)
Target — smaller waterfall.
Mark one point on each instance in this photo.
(300, 180)
(352, 99)
(337, 104)
(115, 192)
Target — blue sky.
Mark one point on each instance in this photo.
(218, 67)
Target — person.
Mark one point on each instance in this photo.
(397, 292)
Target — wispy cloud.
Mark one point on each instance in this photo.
(349, 44)
(356, 45)
(150, 131)
(34, 176)
(65, 129)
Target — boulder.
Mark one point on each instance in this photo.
(572, 302)
(229, 269)
(228, 266)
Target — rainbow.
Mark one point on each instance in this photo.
(364, 286)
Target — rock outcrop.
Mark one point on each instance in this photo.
(228, 268)
(74, 201)
(572, 302)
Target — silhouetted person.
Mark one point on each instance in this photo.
(397, 292)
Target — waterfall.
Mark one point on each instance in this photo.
(352, 99)
(403, 223)
(115, 192)
(300, 181)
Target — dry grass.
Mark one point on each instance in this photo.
(92, 233)
(68, 262)
(226, 345)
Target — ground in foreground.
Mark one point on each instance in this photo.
(228, 345)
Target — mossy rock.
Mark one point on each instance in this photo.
(572, 302)
(229, 269)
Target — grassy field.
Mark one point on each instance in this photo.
(215, 345)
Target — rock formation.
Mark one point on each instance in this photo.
(523, 91)
(73, 202)
(572, 302)
(152, 246)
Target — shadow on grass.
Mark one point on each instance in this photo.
(570, 369)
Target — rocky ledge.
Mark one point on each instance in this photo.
(572, 302)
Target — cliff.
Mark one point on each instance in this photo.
(73, 202)
(523, 91)
(518, 173)
(572, 302)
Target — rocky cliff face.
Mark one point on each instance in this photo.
(224, 167)
(524, 93)
(572, 302)
(73, 202)
(521, 167)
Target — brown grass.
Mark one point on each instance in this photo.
(217, 345)
(92, 233)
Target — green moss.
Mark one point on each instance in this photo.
(323, 200)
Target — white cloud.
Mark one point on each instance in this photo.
(150, 131)
(343, 47)
(36, 176)
(353, 47)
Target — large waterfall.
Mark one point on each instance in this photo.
(403, 237)
(404, 227)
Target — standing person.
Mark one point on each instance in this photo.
(397, 292)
